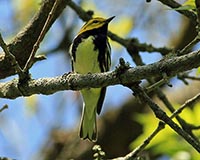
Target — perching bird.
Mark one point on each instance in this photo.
(90, 53)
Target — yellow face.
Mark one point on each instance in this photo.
(94, 23)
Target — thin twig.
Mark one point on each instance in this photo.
(11, 58)
(156, 85)
(188, 103)
(183, 76)
(4, 107)
(195, 127)
(135, 153)
(189, 45)
(193, 78)
(169, 106)
(197, 38)
(197, 3)
(30, 61)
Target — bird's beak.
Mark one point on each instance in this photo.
(110, 19)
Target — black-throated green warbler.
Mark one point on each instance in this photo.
(90, 53)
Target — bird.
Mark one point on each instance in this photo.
(90, 53)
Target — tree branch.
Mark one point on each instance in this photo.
(11, 57)
(30, 60)
(161, 125)
(160, 114)
(197, 3)
(75, 81)
(22, 44)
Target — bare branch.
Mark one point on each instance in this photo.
(160, 114)
(3, 108)
(77, 81)
(188, 103)
(161, 125)
(22, 44)
(189, 45)
(135, 153)
(184, 76)
(30, 60)
(11, 57)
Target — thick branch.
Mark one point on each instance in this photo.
(77, 81)
(22, 45)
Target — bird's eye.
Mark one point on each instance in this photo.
(95, 21)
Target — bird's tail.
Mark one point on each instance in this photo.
(88, 128)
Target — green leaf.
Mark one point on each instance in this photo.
(188, 5)
(198, 71)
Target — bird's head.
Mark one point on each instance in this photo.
(95, 23)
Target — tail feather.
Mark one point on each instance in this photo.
(88, 128)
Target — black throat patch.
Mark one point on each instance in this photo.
(100, 42)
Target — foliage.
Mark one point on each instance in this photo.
(187, 5)
(167, 142)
